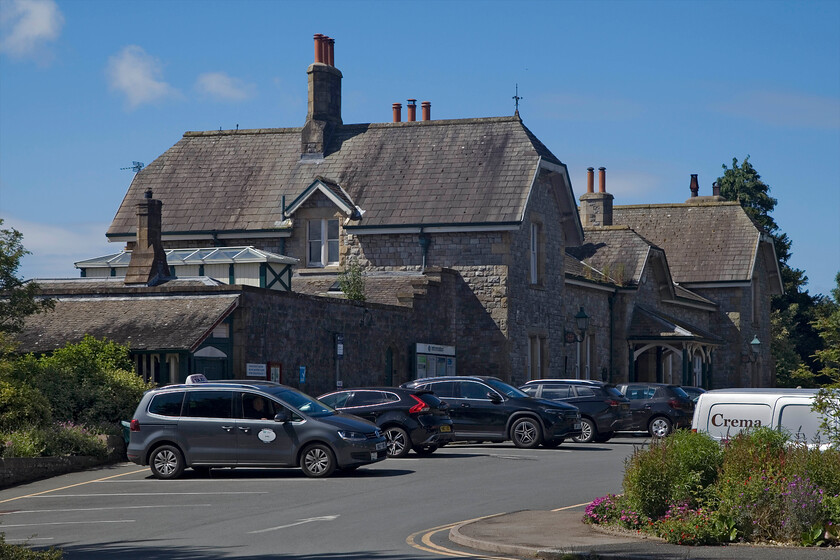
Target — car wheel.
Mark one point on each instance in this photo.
(603, 437)
(588, 431)
(553, 443)
(526, 433)
(426, 450)
(659, 427)
(398, 442)
(166, 462)
(317, 461)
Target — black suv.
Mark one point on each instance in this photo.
(255, 424)
(657, 408)
(488, 409)
(410, 419)
(603, 409)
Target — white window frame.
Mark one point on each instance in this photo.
(324, 242)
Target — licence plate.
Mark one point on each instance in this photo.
(373, 456)
(380, 446)
(446, 428)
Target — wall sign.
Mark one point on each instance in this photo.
(255, 370)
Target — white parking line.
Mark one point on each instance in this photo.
(67, 523)
(145, 494)
(94, 509)
(27, 541)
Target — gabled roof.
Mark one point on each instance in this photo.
(617, 252)
(331, 190)
(453, 172)
(705, 242)
(159, 322)
(650, 325)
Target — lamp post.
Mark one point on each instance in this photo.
(755, 347)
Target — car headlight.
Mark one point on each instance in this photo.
(352, 436)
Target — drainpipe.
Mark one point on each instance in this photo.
(425, 241)
(611, 301)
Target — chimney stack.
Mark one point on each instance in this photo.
(596, 208)
(148, 264)
(427, 110)
(694, 186)
(715, 189)
(324, 105)
(412, 110)
(397, 107)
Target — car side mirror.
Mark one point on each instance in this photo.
(494, 397)
(283, 416)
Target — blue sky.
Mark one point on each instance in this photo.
(653, 91)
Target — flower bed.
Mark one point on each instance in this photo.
(757, 488)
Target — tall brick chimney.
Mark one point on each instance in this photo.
(324, 108)
(596, 208)
(694, 186)
(148, 260)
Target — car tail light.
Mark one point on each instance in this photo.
(612, 402)
(674, 403)
(134, 426)
(419, 407)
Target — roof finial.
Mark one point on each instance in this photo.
(516, 99)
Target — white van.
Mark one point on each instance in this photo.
(722, 413)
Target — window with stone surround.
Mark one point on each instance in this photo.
(536, 255)
(537, 357)
(322, 239)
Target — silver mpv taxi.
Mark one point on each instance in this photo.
(255, 424)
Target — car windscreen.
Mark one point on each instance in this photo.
(506, 389)
(303, 402)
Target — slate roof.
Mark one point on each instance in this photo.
(647, 324)
(143, 322)
(616, 251)
(452, 172)
(705, 242)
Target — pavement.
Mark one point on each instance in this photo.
(561, 535)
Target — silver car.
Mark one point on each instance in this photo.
(255, 424)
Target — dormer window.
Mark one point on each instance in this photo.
(323, 243)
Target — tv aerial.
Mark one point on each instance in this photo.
(136, 166)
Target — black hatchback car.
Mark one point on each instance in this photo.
(488, 409)
(603, 409)
(657, 408)
(409, 419)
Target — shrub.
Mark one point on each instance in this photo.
(56, 440)
(88, 383)
(684, 525)
(673, 470)
(827, 403)
(18, 552)
(22, 406)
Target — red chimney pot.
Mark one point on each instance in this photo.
(694, 186)
(397, 111)
(331, 52)
(427, 110)
(590, 179)
(412, 110)
(318, 39)
(602, 179)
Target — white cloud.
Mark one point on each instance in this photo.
(55, 248)
(222, 87)
(27, 25)
(137, 75)
(795, 110)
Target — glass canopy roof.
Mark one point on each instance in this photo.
(209, 255)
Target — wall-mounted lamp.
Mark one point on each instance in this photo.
(755, 348)
(582, 324)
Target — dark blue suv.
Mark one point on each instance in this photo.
(488, 409)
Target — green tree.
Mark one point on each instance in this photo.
(827, 325)
(352, 281)
(18, 299)
(794, 339)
